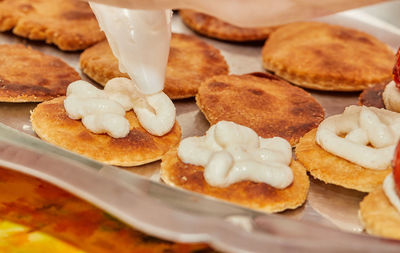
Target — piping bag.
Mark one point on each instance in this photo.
(251, 13)
(140, 40)
(140, 37)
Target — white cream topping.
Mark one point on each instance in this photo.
(366, 136)
(232, 153)
(391, 97)
(139, 40)
(103, 111)
(390, 192)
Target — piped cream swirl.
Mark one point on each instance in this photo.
(231, 153)
(103, 111)
(366, 136)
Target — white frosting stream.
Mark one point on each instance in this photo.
(231, 153)
(140, 41)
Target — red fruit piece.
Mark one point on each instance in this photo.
(396, 70)
(396, 169)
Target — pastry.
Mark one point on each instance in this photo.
(190, 62)
(231, 162)
(372, 96)
(353, 149)
(51, 123)
(380, 209)
(327, 57)
(215, 28)
(384, 94)
(27, 75)
(69, 24)
(379, 216)
(332, 169)
(259, 196)
(261, 101)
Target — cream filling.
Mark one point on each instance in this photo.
(139, 40)
(103, 111)
(391, 97)
(366, 136)
(232, 153)
(390, 192)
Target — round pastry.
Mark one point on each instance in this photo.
(218, 29)
(372, 96)
(327, 57)
(27, 75)
(332, 169)
(69, 24)
(52, 124)
(190, 62)
(259, 196)
(379, 216)
(380, 209)
(261, 101)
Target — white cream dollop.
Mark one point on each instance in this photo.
(139, 40)
(391, 97)
(390, 192)
(103, 111)
(232, 153)
(366, 136)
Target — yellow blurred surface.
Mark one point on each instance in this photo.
(15, 238)
(38, 217)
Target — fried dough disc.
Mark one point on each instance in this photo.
(190, 62)
(99, 63)
(372, 96)
(216, 28)
(263, 102)
(27, 75)
(51, 123)
(69, 24)
(253, 195)
(379, 216)
(332, 169)
(327, 57)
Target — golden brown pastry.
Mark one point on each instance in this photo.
(379, 216)
(69, 24)
(51, 123)
(261, 101)
(327, 57)
(332, 169)
(190, 62)
(215, 28)
(27, 75)
(259, 196)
